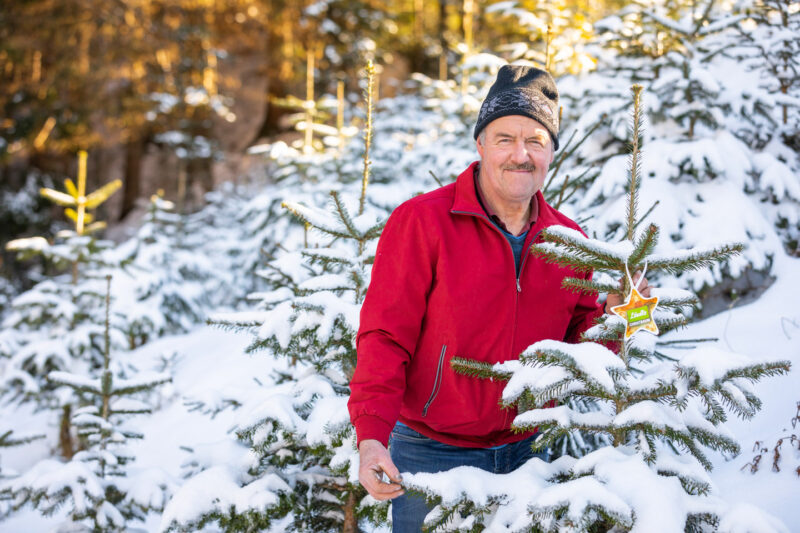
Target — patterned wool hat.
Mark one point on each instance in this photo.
(522, 90)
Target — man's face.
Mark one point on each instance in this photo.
(516, 152)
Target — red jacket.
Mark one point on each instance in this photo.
(443, 285)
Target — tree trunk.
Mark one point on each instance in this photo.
(65, 442)
(443, 39)
(133, 170)
(350, 519)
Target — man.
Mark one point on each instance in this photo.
(452, 277)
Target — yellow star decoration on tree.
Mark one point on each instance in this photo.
(637, 311)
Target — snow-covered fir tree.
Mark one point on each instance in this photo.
(662, 411)
(164, 284)
(774, 50)
(302, 467)
(7, 440)
(58, 324)
(705, 111)
(98, 485)
(771, 52)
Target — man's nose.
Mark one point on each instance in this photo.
(519, 154)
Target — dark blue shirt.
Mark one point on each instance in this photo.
(517, 242)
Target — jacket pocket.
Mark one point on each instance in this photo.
(437, 382)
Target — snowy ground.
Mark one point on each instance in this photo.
(211, 364)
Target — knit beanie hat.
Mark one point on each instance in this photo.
(522, 90)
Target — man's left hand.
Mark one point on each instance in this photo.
(614, 299)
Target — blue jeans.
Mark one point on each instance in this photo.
(413, 452)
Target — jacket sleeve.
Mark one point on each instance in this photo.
(390, 322)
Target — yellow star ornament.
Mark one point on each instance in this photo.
(637, 311)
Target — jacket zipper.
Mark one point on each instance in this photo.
(524, 255)
(519, 286)
(437, 382)
(525, 258)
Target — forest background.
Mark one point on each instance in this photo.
(170, 94)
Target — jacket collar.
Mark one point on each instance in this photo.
(466, 201)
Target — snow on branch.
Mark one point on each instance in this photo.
(218, 492)
(693, 259)
(319, 219)
(593, 362)
(588, 286)
(571, 247)
(75, 381)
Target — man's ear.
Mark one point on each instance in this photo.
(552, 153)
(479, 146)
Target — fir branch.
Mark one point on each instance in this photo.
(644, 246)
(588, 286)
(479, 369)
(744, 411)
(553, 255)
(574, 249)
(233, 325)
(66, 379)
(608, 331)
(669, 323)
(685, 341)
(344, 215)
(660, 392)
(633, 178)
(538, 397)
(299, 212)
(7, 441)
(691, 485)
(558, 358)
(716, 413)
(689, 300)
(714, 441)
(141, 386)
(338, 290)
(367, 135)
(551, 432)
(436, 179)
(694, 260)
(646, 214)
(646, 445)
(567, 150)
(585, 178)
(757, 371)
(325, 257)
(375, 231)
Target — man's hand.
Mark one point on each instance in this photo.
(374, 461)
(614, 299)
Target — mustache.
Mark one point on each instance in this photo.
(525, 166)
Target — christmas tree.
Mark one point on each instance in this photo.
(303, 461)
(98, 485)
(661, 411)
